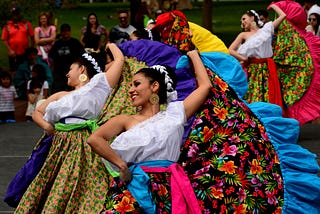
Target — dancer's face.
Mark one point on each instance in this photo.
(246, 21)
(74, 73)
(141, 89)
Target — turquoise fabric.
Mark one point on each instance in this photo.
(220, 63)
(139, 185)
(298, 165)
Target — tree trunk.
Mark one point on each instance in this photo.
(207, 14)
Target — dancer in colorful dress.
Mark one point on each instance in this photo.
(162, 131)
(253, 48)
(239, 157)
(297, 56)
(73, 178)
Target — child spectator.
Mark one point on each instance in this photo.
(7, 95)
(37, 88)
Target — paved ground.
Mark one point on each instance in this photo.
(18, 139)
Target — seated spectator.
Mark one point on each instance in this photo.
(23, 74)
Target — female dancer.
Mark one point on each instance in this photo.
(253, 48)
(73, 179)
(296, 54)
(162, 131)
(239, 157)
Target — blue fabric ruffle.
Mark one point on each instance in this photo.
(299, 166)
(220, 63)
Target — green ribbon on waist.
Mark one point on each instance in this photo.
(91, 124)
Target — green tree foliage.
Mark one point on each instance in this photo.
(27, 7)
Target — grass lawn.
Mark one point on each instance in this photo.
(225, 18)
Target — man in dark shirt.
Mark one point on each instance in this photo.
(62, 54)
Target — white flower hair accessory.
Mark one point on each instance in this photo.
(260, 23)
(171, 93)
(92, 61)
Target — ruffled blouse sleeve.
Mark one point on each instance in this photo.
(85, 102)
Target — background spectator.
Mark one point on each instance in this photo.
(44, 36)
(310, 6)
(33, 97)
(314, 21)
(121, 32)
(62, 54)
(92, 33)
(7, 96)
(263, 15)
(38, 73)
(17, 36)
(23, 74)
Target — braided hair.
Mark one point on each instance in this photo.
(256, 17)
(91, 64)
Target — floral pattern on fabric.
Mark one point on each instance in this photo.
(174, 30)
(228, 157)
(294, 63)
(179, 35)
(75, 177)
(258, 75)
(119, 199)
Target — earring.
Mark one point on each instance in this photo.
(139, 108)
(154, 99)
(253, 24)
(83, 77)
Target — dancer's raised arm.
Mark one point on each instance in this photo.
(114, 71)
(193, 102)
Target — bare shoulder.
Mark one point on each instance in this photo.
(121, 121)
(128, 121)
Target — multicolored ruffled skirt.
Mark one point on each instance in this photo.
(239, 157)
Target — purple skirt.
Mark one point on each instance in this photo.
(28, 172)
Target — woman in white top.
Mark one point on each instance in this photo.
(73, 176)
(253, 48)
(151, 134)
